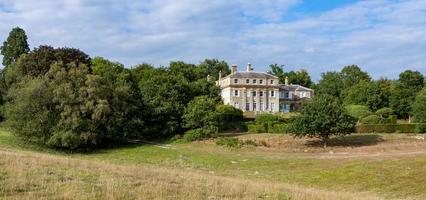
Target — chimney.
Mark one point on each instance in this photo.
(234, 68)
(286, 80)
(249, 67)
(220, 75)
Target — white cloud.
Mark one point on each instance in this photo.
(384, 37)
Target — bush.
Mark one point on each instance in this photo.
(384, 112)
(393, 119)
(230, 118)
(255, 128)
(229, 142)
(278, 128)
(371, 119)
(358, 111)
(390, 128)
(199, 133)
(420, 128)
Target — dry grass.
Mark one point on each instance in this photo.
(29, 175)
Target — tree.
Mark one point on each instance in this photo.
(212, 67)
(419, 107)
(300, 77)
(323, 117)
(374, 94)
(200, 112)
(352, 75)
(331, 83)
(404, 92)
(15, 45)
(358, 111)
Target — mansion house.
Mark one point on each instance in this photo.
(259, 92)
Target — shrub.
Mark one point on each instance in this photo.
(371, 119)
(420, 128)
(393, 119)
(229, 118)
(278, 128)
(199, 133)
(255, 128)
(419, 107)
(358, 111)
(390, 128)
(384, 112)
(229, 142)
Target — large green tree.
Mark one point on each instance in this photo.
(300, 77)
(331, 83)
(404, 92)
(323, 117)
(15, 45)
(352, 75)
(212, 67)
(419, 107)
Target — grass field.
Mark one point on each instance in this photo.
(363, 166)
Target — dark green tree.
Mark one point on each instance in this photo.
(300, 77)
(331, 83)
(201, 112)
(212, 67)
(352, 75)
(419, 107)
(15, 45)
(323, 117)
(404, 92)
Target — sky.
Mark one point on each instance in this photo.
(383, 37)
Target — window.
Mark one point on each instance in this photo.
(272, 82)
(261, 93)
(247, 81)
(247, 106)
(254, 93)
(302, 94)
(236, 93)
(272, 93)
(254, 106)
(286, 95)
(235, 80)
(261, 81)
(254, 81)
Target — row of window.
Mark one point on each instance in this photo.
(254, 93)
(254, 81)
(254, 108)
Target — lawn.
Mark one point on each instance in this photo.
(368, 165)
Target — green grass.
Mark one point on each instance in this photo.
(393, 177)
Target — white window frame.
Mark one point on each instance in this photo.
(236, 93)
(272, 93)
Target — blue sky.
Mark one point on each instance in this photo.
(384, 37)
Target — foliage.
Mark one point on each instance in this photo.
(353, 75)
(266, 118)
(371, 119)
(228, 142)
(200, 112)
(331, 83)
(15, 45)
(255, 128)
(229, 118)
(404, 92)
(358, 111)
(419, 107)
(212, 67)
(387, 128)
(200, 133)
(420, 128)
(279, 128)
(300, 77)
(323, 117)
(384, 112)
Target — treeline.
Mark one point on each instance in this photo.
(62, 98)
(352, 86)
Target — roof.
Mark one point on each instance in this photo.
(251, 74)
(294, 87)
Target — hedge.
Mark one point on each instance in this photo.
(391, 128)
(254, 128)
(278, 128)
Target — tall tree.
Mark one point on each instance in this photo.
(331, 83)
(15, 45)
(419, 107)
(212, 67)
(300, 77)
(404, 92)
(352, 75)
